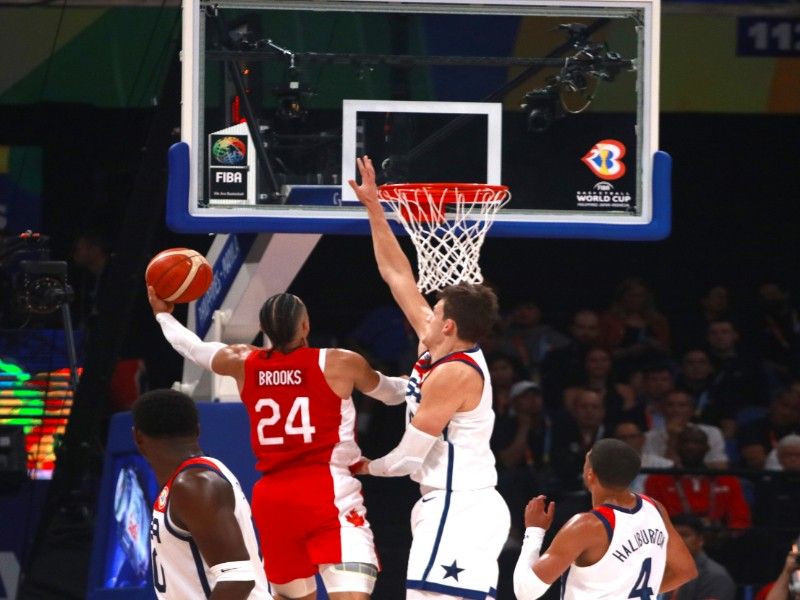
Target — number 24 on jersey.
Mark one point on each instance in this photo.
(298, 411)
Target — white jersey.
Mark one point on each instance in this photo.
(179, 571)
(633, 565)
(461, 458)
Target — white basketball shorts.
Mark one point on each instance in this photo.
(457, 537)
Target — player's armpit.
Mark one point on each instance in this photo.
(449, 388)
(680, 566)
(202, 502)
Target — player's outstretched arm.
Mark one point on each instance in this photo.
(213, 356)
(203, 503)
(680, 566)
(534, 574)
(345, 369)
(437, 407)
(393, 264)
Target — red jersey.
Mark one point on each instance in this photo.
(720, 499)
(296, 419)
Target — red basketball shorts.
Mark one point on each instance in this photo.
(309, 516)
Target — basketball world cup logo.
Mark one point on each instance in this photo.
(229, 150)
(605, 159)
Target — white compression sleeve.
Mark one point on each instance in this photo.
(240, 570)
(186, 343)
(390, 390)
(407, 457)
(527, 585)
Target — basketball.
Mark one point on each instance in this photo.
(179, 275)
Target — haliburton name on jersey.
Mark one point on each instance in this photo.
(643, 537)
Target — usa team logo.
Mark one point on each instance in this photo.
(605, 159)
(162, 499)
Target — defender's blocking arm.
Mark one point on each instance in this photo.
(393, 264)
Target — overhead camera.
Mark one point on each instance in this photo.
(592, 63)
(291, 97)
(35, 284)
(292, 94)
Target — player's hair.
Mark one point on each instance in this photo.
(279, 317)
(472, 306)
(166, 414)
(614, 462)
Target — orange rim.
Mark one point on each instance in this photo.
(425, 193)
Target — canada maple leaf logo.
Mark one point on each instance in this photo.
(356, 519)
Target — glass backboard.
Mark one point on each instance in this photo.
(557, 100)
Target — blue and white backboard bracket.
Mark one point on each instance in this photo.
(248, 268)
(331, 209)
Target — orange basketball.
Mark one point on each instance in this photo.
(179, 275)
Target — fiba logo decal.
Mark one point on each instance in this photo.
(227, 168)
(605, 159)
(229, 150)
(603, 186)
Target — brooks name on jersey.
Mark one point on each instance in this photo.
(280, 377)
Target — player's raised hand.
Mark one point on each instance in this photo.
(157, 304)
(367, 192)
(539, 513)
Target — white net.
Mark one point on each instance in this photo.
(447, 223)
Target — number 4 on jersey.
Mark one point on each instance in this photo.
(641, 589)
(300, 405)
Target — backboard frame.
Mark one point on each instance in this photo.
(652, 223)
(350, 109)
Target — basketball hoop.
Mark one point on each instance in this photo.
(447, 223)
